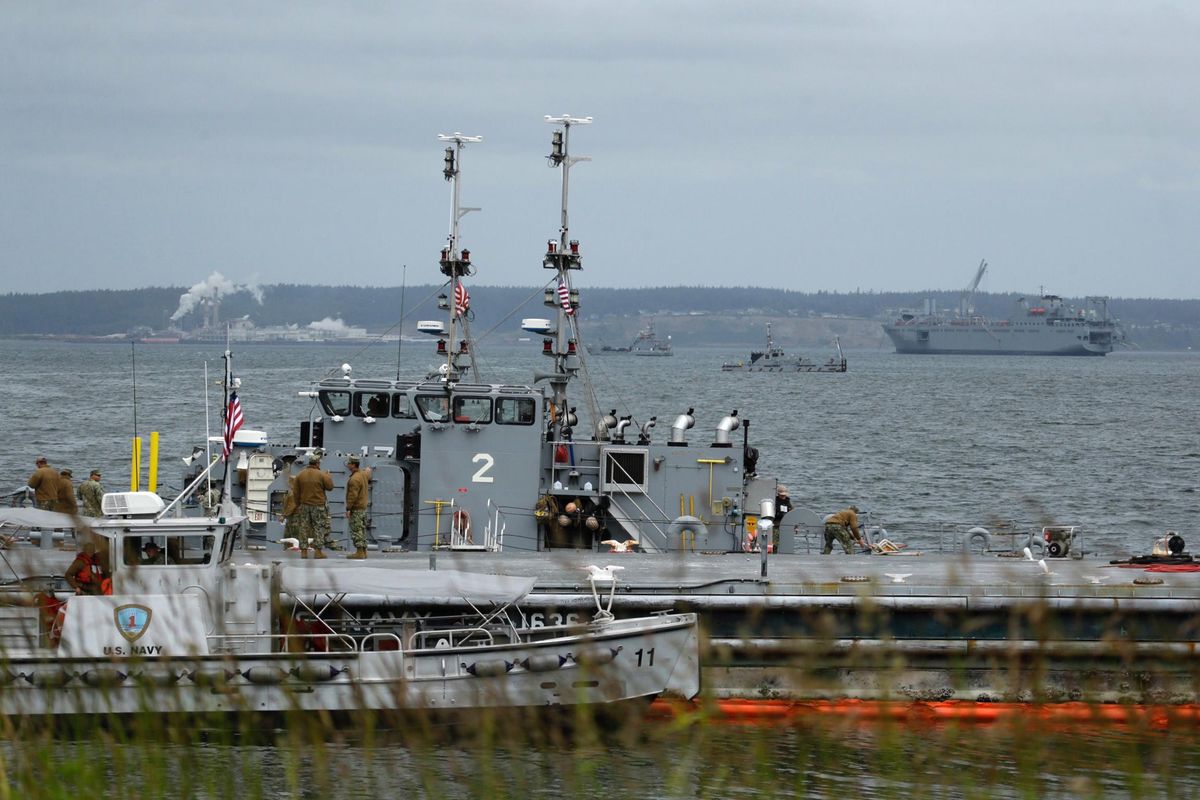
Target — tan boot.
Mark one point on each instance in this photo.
(359, 553)
(304, 552)
(318, 554)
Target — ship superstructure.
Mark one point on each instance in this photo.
(462, 464)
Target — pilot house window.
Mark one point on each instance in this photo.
(401, 407)
(433, 407)
(371, 404)
(472, 409)
(162, 551)
(335, 403)
(514, 411)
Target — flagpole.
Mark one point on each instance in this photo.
(400, 338)
(226, 493)
(207, 436)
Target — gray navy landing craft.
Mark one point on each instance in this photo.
(1047, 327)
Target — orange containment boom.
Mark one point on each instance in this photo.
(767, 711)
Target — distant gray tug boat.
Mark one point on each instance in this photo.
(1047, 328)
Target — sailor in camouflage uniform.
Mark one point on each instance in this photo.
(358, 497)
(290, 517)
(66, 494)
(44, 482)
(843, 526)
(311, 485)
(91, 495)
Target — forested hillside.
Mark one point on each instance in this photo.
(613, 313)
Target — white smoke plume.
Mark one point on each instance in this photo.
(329, 325)
(214, 287)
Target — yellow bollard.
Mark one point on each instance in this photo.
(135, 471)
(152, 475)
(437, 520)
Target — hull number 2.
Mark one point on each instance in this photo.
(481, 475)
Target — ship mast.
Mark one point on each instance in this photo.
(566, 347)
(455, 264)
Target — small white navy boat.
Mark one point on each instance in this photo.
(192, 631)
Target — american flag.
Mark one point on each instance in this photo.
(462, 301)
(233, 422)
(564, 297)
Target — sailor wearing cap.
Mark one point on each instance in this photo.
(91, 495)
(313, 508)
(358, 497)
(44, 482)
(153, 553)
(843, 526)
(66, 494)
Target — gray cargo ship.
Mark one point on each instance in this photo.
(1047, 327)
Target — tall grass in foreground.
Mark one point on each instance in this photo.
(577, 755)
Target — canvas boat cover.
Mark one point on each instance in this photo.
(409, 585)
(35, 519)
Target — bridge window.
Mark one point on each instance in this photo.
(433, 407)
(335, 403)
(473, 409)
(371, 404)
(514, 411)
(401, 407)
(158, 551)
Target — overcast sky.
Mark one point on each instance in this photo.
(804, 145)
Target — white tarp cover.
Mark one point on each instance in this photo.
(433, 586)
(35, 519)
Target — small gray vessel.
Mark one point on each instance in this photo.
(773, 359)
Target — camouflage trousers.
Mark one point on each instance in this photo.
(314, 525)
(358, 528)
(48, 505)
(839, 532)
(291, 525)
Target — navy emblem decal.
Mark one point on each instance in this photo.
(132, 620)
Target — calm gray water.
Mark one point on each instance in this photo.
(1108, 443)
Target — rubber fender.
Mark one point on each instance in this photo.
(490, 669)
(977, 540)
(151, 677)
(49, 679)
(211, 677)
(595, 656)
(106, 677)
(1037, 545)
(314, 673)
(265, 675)
(544, 662)
(687, 523)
